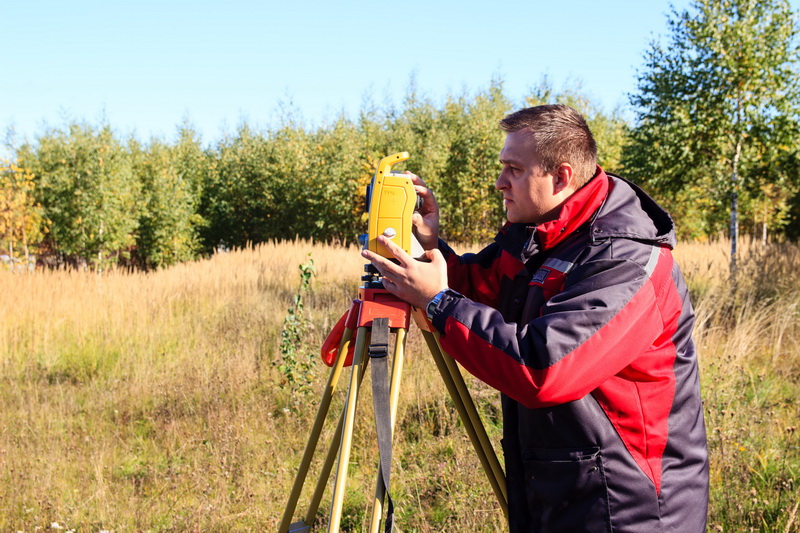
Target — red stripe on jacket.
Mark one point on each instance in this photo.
(650, 380)
(633, 345)
(479, 283)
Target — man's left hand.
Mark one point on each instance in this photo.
(413, 281)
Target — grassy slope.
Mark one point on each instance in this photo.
(136, 402)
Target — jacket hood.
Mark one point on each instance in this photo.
(630, 213)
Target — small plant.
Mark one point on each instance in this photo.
(297, 359)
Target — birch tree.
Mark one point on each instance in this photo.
(717, 111)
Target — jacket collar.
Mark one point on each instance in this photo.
(576, 211)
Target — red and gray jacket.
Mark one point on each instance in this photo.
(585, 325)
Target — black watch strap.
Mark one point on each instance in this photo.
(434, 303)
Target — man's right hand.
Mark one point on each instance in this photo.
(426, 219)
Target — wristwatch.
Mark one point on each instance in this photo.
(438, 298)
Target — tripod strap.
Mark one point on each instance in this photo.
(378, 353)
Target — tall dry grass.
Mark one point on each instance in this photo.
(151, 401)
(135, 401)
(749, 343)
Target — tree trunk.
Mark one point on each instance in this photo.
(98, 267)
(735, 209)
(734, 224)
(27, 252)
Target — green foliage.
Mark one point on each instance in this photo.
(234, 200)
(700, 98)
(291, 182)
(168, 224)
(332, 183)
(471, 206)
(717, 111)
(88, 190)
(297, 358)
(158, 203)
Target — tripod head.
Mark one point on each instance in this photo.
(372, 279)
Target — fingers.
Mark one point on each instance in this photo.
(419, 186)
(435, 256)
(429, 205)
(383, 265)
(416, 180)
(396, 251)
(411, 280)
(422, 190)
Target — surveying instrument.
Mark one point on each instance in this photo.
(391, 201)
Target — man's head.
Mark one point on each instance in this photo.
(549, 153)
(562, 136)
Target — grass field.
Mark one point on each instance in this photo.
(154, 401)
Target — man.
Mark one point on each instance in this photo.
(578, 314)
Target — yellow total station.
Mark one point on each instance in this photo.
(391, 203)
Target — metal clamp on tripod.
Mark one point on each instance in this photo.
(372, 317)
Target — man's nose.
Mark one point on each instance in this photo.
(501, 182)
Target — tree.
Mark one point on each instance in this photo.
(88, 191)
(167, 230)
(472, 209)
(259, 188)
(331, 184)
(21, 221)
(717, 112)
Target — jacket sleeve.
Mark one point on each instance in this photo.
(606, 316)
(479, 276)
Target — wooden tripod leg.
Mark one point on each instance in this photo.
(470, 418)
(476, 420)
(316, 430)
(394, 394)
(327, 466)
(359, 360)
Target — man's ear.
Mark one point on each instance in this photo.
(564, 178)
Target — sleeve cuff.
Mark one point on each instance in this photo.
(438, 306)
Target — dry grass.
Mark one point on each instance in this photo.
(749, 346)
(146, 401)
(150, 402)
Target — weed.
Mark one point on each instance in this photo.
(297, 358)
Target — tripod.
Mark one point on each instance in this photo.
(370, 318)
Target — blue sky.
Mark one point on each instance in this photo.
(146, 66)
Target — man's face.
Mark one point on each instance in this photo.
(528, 193)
